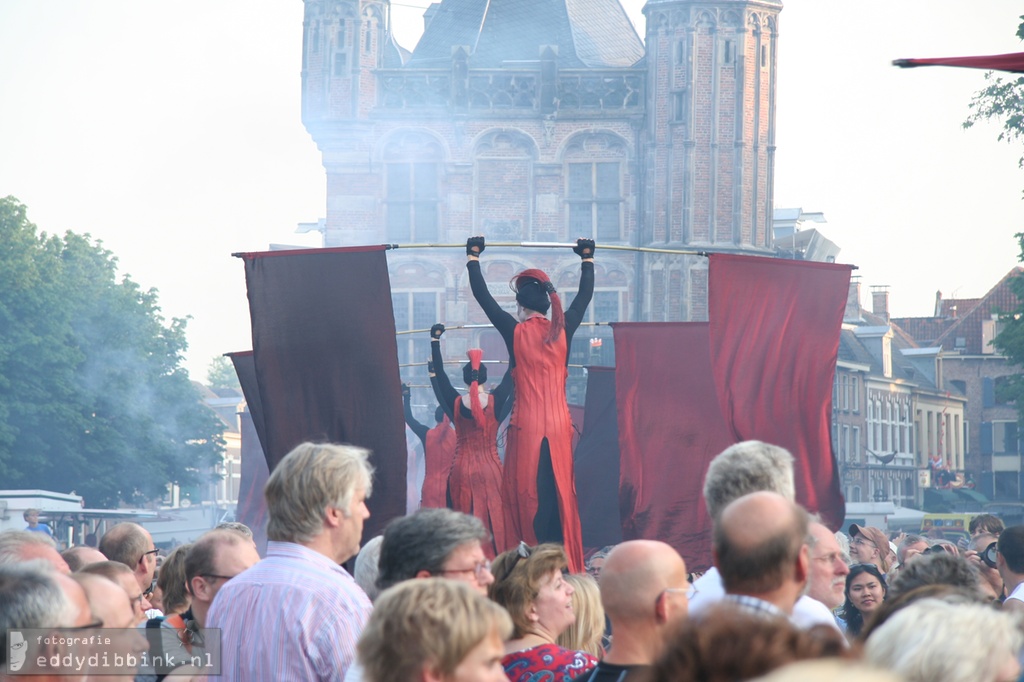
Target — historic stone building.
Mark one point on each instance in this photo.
(543, 121)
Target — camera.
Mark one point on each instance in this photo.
(989, 555)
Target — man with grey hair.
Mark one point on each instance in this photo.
(748, 467)
(34, 597)
(435, 543)
(132, 545)
(19, 546)
(303, 608)
(826, 582)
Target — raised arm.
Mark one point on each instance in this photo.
(501, 397)
(419, 429)
(574, 315)
(443, 389)
(502, 321)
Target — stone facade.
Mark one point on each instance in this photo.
(667, 143)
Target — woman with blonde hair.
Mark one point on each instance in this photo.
(587, 633)
(530, 585)
(434, 630)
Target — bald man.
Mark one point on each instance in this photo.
(643, 590)
(81, 555)
(132, 545)
(760, 549)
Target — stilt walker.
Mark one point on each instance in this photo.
(538, 477)
(474, 486)
(438, 453)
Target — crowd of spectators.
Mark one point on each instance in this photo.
(787, 599)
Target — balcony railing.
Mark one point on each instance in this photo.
(507, 90)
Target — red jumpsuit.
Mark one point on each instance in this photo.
(540, 412)
(438, 452)
(475, 483)
(540, 419)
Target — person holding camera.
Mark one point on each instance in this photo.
(1010, 564)
(538, 477)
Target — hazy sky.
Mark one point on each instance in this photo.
(171, 131)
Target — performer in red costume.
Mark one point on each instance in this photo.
(538, 483)
(474, 486)
(438, 453)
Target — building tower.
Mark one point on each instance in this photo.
(709, 141)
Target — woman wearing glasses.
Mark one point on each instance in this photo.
(530, 585)
(865, 592)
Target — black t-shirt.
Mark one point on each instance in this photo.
(609, 672)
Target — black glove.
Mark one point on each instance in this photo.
(584, 248)
(474, 246)
(436, 331)
(430, 367)
(406, 391)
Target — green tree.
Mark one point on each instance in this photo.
(1010, 340)
(221, 374)
(93, 396)
(1001, 100)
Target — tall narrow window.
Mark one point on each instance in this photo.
(414, 310)
(595, 200)
(412, 200)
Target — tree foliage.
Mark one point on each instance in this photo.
(93, 397)
(1010, 340)
(1002, 100)
(221, 374)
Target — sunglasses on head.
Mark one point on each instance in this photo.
(523, 551)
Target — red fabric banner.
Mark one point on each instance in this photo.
(670, 428)
(326, 360)
(1013, 62)
(774, 332)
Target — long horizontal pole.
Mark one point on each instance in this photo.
(456, 362)
(490, 326)
(551, 245)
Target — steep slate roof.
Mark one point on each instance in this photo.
(944, 331)
(588, 33)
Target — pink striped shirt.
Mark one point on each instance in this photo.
(296, 615)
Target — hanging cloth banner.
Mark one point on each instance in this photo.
(774, 332)
(326, 360)
(252, 507)
(670, 428)
(596, 462)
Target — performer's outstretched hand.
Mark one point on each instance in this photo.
(436, 331)
(406, 391)
(584, 248)
(474, 246)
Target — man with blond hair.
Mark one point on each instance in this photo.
(302, 608)
(434, 629)
(643, 591)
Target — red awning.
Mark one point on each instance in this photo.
(996, 62)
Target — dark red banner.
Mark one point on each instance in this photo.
(670, 428)
(326, 360)
(774, 332)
